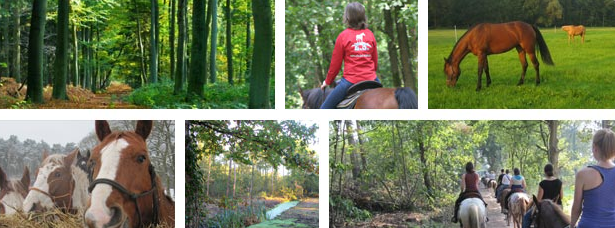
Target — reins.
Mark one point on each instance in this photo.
(134, 196)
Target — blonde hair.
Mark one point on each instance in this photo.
(354, 16)
(604, 139)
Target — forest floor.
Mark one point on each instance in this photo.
(496, 219)
(306, 212)
(78, 98)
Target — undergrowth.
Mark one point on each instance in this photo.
(216, 96)
(237, 218)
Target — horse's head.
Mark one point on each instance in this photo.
(121, 167)
(54, 183)
(13, 192)
(452, 72)
(313, 98)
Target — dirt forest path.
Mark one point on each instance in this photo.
(496, 219)
(306, 212)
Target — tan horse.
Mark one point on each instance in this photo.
(574, 31)
(518, 204)
(492, 184)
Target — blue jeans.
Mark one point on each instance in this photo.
(337, 95)
(527, 219)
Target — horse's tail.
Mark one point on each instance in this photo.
(474, 216)
(542, 46)
(406, 98)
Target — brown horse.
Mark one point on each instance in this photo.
(486, 39)
(125, 191)
(380, 98)
(547, 214)
(502, 203)
(574, 31)
(518, 203)
(13, 192)
(60, 183)
(492, 184)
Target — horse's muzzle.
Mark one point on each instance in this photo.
(117, 218)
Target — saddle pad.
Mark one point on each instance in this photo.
(350, 100)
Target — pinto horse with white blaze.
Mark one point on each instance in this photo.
(472, 213)
(13, 192)
(60, 183)
(125, 191)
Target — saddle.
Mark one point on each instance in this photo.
(355, 91)
(468, 195)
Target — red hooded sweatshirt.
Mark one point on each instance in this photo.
(357, 48)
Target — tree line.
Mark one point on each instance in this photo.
(92, 42)
(549, 13)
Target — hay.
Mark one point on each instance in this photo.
(49, 219)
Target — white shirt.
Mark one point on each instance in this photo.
(506, 179)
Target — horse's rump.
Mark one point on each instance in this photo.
(472, 213)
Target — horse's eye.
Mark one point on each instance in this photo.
(58, 174)
(141, 158)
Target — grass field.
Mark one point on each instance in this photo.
(583, 76)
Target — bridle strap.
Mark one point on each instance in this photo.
(54, 198)
(131, 195)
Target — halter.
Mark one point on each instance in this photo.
(54, 198)
(131, 195)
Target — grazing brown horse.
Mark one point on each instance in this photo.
(380, 98)
(60, 183)
(547, 214)
(486, 39)
(518, 203)
(574, 31)
(125, 191)
(13, 192)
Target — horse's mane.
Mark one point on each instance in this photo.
(460, 39)
(555, 208)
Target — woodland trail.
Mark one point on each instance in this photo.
(306, 212)
(496, 219)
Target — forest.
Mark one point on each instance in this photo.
(251, 174)
(406, 173)
(17, 152)
(549, 13)
(312, 27)
(136, 54)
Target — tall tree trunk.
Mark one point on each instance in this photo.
(553, 141)
(75, 57)
(140, 43)
(339, 183)
(209, 173)
(214, 41)
(16, 56)
(181, 47)
(261, 57)
(198, 68)
(248, 40)
(228, 180)
(234, 179)
(4, 70)
(391, 47)
(90, 57)
(35, 51)
(362, 152)
(153, 66)
(404, 49)
(61, 64)
(172, 37)
(336, 126)
(423, 159)
(252, 182)
(356, 166)
(320, 70)
(229, 44)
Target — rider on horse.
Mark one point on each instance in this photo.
(356, 47)
(550, 188)
(517, 185)
(503, 183)
(469, 188)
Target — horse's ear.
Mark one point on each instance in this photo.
(535, 199)
(70, 158)
(144, 127)
(102, 129)
(25, 178)
(3, 180)
(445, 60)
(300, 91)
(45, 154)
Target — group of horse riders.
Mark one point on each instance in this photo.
(550, 188)
(593, 204)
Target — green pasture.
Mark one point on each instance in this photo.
(583, 76)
